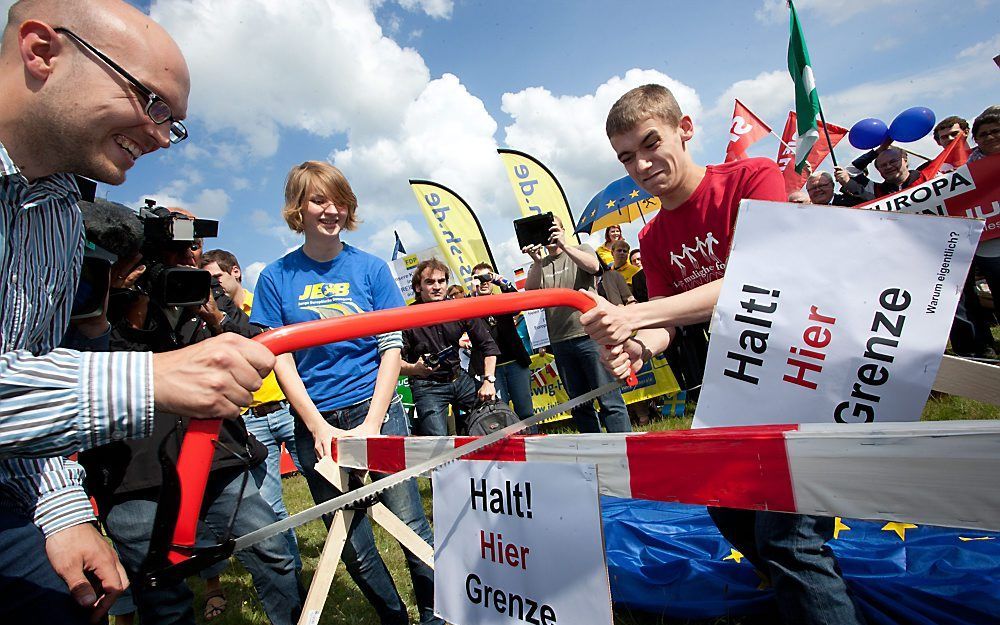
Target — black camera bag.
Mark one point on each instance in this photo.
(489, 417)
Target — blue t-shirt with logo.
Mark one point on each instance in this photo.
(296, 288)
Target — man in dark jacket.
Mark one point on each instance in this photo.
(126, 477)
(890, 161)
(430, 358)
(513, 369)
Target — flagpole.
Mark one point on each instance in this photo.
(822, 118)
(913, 153)
(781, 141)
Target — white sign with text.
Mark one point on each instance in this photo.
(519, 543)
(832, 315)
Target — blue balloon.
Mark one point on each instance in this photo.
(912, 124)
(868, 133)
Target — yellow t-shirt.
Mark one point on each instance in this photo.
(627, 270)
(604, 253)
(269, 390)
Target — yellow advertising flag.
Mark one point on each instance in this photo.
(536, 189)
(456, 229)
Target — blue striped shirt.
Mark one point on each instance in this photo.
(53, 401)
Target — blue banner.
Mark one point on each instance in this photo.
(670, 559)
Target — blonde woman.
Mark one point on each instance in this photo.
(346, 388)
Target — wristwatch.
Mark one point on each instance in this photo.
(490, 378)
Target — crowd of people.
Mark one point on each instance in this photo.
(169, 340)
(975, 317)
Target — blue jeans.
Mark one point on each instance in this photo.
(514, 385)
(272, 430)
(360, 556)
(791, 550)
(581, 371)
(432, 399)
(30, 589)
(129, 524)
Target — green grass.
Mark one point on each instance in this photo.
(347, 606)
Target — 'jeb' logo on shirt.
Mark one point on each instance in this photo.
(324, 291)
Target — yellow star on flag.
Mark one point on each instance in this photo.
(734, 555)
(634, 193)
(839, 526)
(966, 539)
(610, 204)
(899, 528)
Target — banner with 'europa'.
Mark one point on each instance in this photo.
(972, 190)
(832, 314)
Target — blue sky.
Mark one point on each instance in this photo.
(396, 89)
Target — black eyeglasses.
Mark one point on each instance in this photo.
(156, 107)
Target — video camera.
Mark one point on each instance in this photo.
(442, 357)
(165, 231)
(114, 231)
(95, 281)
(484, 277)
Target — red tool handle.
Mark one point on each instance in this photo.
(195, 459)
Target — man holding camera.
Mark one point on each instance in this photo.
(557, 265)
(173, 305)
(430, 358)
(66, 109)
(513, 369)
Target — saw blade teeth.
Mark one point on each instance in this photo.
(374, 488)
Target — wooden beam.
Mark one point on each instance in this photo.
(968, 378)
(402, 532)
(326, 568)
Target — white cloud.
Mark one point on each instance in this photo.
(770, 95)
(324, 68)
(832, 12)
(250, 274)
(983, 49)
(206, 203)
(566, 132)
(509, 256)
(440, 9)
(381, 243)
(445, 135)
(887, 98)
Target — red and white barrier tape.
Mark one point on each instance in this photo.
(937, 473)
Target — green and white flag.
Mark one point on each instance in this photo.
(806, 97)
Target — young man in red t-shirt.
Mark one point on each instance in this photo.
(684, 252)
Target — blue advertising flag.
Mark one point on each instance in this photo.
(398, 247)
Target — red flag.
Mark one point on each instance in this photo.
(947, 155)
(786, 151)
(745, 130)
(959, 154)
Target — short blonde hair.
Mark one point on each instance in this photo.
(319, 177)
(640, 104)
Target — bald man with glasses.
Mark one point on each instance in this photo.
(88, 88)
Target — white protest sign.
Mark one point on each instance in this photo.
(403, 267)
(519, 542)
(832, 314)
(538, 329)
